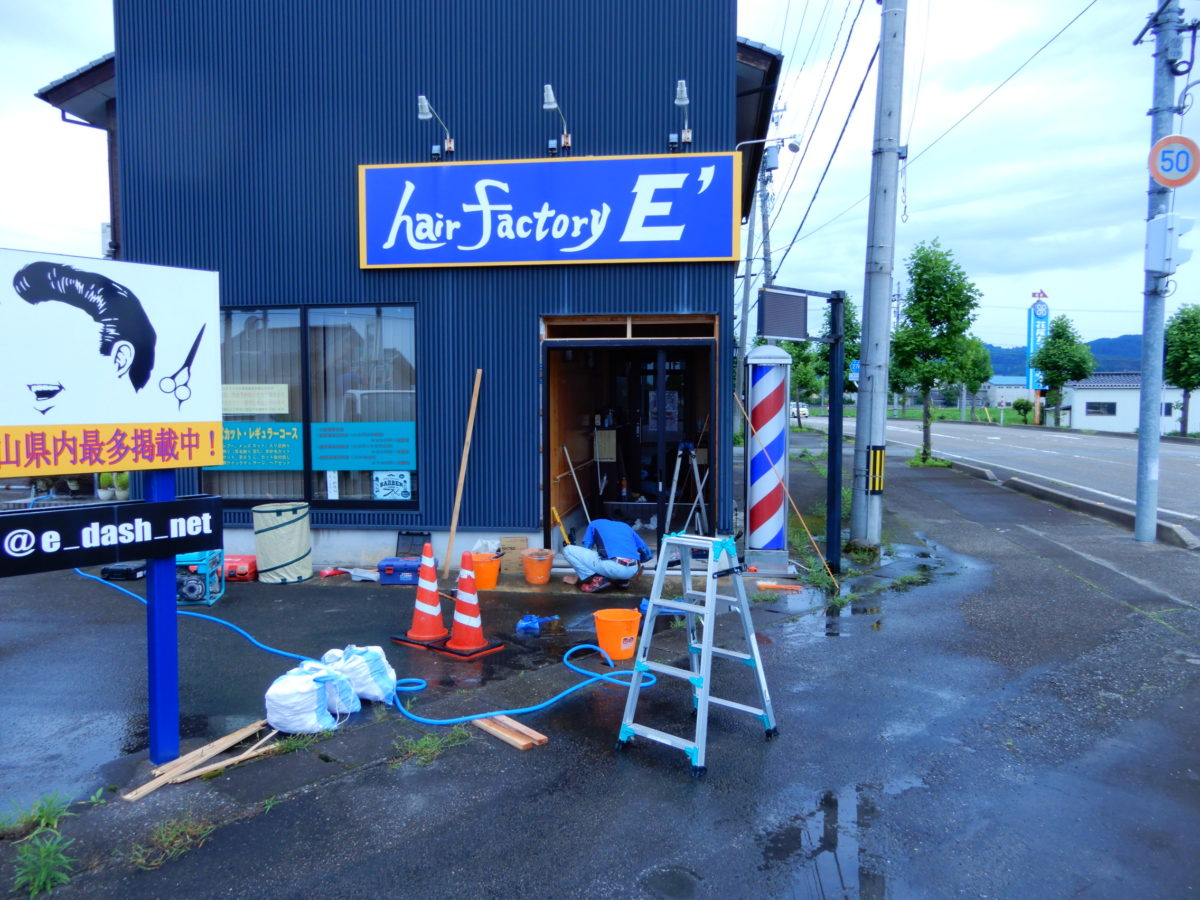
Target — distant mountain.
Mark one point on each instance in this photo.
(1007, 360)
(1119, 354)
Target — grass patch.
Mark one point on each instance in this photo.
(917, 462)
(44, 815)
(862, 556)
(428, 747)
(764, 597)
(169, 840)
(817, 576)
(42, 864)
(815, 460)
(294, 742)
(916, 579)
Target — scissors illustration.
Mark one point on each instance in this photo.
(174, 384)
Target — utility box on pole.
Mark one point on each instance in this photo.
(1163, 253)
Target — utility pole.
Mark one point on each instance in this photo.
(833, 483)
(1165, 23)
(870, 437)
(770, 161)
(743, 349)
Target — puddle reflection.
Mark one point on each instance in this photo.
(825, 844)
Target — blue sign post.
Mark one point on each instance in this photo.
(1038, 325)
(670, 208)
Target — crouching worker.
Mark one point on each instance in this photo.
(610, 552)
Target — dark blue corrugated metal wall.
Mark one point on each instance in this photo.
(241, 126)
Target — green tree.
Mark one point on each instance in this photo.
(1023, 407)
(1182, 366)
(851, 344)
(1062, 357)
(931, 341)
(805, 380)
(900, 380)
(976, 367)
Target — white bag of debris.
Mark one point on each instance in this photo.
(340, 698)
(367, 669)
(297, 704)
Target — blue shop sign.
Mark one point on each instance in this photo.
(670, 208)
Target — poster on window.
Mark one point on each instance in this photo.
(391, 485)
(106, 365)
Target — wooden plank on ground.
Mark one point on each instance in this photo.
(513, 738)
(169, 770)
(536, 736)
(257, 750)
(196, 757)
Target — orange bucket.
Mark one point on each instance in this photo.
(537, 564)
(487, 570)
(616, 631)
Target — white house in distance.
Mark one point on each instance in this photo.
(1109, 401)
(1002, 390)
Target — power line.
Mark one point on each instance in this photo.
(832, 155)
(832, 48)
(993, 91)
(817, 31)
(796, 239)
(809, 142)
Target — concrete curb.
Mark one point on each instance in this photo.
(975, 471)
(1167, 532)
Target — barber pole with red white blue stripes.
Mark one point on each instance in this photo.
(767, 459)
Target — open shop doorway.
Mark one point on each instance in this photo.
(625, 422)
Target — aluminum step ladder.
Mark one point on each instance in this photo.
(703, 604)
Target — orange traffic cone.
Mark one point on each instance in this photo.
(466, 638)
(427, 625)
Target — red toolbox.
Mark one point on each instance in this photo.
(241, 568)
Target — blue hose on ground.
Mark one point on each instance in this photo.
(196, 615)
(404, 685)
(416, 684)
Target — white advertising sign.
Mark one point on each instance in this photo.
(106, 365)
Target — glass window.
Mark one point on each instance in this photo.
(363, 400)
(263, 407)
(1101, 409)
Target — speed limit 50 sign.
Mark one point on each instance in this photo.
(1174, 160)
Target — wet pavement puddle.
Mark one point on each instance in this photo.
(811, 614)
(824, 844)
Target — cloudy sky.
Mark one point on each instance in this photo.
(1043, 188)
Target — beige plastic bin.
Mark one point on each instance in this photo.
(282, 543)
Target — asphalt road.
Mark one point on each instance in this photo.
(1005, 710)
(1100, 467)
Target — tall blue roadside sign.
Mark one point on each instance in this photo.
(1038, 325)
(662, 208)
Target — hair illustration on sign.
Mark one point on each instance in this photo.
(126, 337)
